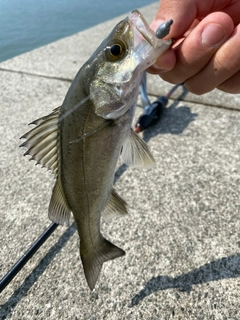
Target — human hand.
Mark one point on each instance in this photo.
(206, 52)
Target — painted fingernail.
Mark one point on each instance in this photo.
(212, 34)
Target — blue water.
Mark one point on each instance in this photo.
(29, 24)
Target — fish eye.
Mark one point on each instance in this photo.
(115, 51)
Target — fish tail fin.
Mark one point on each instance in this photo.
(93, 261)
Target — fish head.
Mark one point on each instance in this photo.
(122, 57)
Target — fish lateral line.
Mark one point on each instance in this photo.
(93, 131)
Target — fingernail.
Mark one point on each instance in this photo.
(212, 34)
(158, 68)
(155, 24)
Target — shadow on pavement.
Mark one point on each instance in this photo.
(224, 268)
(174, 120)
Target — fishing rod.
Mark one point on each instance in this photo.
(27, 255)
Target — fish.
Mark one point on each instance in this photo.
(82, 140)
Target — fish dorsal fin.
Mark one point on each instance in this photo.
(42, 141)
(58, 210)
(135, 152)
(116, 206)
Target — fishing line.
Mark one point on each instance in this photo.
(66, 114)
(93, 131)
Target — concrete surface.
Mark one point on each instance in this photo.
(181, 238)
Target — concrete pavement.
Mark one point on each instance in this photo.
(181, 238)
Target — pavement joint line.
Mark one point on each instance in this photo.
(70, 80)
(212, 105)
(36, 75)
(200, 103)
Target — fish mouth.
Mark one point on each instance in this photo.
(141, 25)
(146, 37)
(146, 45)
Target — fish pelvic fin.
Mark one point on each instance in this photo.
(58, 210)
(42, 141)
(136, 153)
(93, 260)
(116, 206)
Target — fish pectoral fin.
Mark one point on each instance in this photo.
(58, 210)
(41, 141)
(136, 153)
(93, 260)
(116, 206)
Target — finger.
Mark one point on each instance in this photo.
(222, 70)
(164, 63)
(199, 46)
(233, 9)
(184, 12)
(231, 85)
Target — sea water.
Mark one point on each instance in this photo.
(29, 24)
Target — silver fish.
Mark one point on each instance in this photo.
(82, 140)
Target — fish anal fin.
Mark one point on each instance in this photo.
(136, 153)
(58, 210)
(93, 260)
(116, 206)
